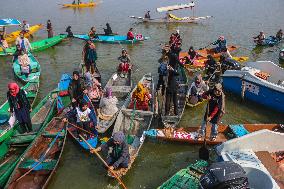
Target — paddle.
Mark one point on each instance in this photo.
(105, 163)
(42, 156)
(73, 125)
(203, 151)
(205, 46)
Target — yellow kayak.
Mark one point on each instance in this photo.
(10, 38)
(82, 5)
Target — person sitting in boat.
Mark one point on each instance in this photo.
(171, 91)
(76, 89)
(108, 30)
(228, 63)
(24, 43)
(260, 39)
(221, 44)
(69, 31)
(226, 53)
(130, 35)
(19, 106)
(210, 65)
(214, 111)
(279, 35)
(147, 15)
(25, 27)
(92, 33)
(119, 156)
(90, 56)
(24, 62)
(3, 43)
(163, 73)
(140, 98)
(192, 55)
(95, 94)
(196, 90)
(108, 104)
(85, 118)
(124, 65)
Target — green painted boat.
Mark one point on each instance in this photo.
(31, 89)
(38, 45)
(35, 69)
(187, 178)
(12, 148)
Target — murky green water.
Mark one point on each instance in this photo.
(238, 20)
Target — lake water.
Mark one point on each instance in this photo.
(237, 20)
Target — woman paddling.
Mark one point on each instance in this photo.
(20, 106)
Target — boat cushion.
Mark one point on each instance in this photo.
(47, 164)
(238, 130)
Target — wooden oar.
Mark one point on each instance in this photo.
(105, 163)
(205, 46)
(73, 125)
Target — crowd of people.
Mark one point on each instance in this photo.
(260, 38)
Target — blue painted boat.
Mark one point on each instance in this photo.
(113, 38)
(270, 41)
(261, 82)
(281, 55)
(9, 22)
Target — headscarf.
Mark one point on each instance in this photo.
(119, 136)
(16, 88)
(140, 92)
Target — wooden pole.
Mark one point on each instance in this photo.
(99, 156)
(80, 128)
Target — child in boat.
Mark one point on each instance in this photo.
(119, 156)
(24, 62)
(163, 73)
(124, 65)
(95, 93)
(140, 98)
(108, 104)
(85, 118)
(196, 90)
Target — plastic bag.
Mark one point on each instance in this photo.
(12, 120)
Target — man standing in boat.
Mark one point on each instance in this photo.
(119, 157)
(214, 111)
(147, 15)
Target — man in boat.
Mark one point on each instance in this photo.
(221, 44)
(163, 73)
(23, 42)
(19, 106)
(25, 27)
(228, 63)
(210, 65)
(171, 91)
(69, 31)
(140, 98)
(130, 35)
(108, 104)
(124, 66)
(260, 38)
(196, 90)
(214, 111)
(92, 33)
(108, 30)
(49, 29)
(76, 89)
(85, 118)
(3, 42)
(279, 35)
(90, 56)
(147, 15)
(192, 55)
(119, 157)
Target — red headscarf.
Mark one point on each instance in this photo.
(16, 88)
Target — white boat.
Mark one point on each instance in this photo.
(175, 7)
(257, 154)
(261, 81)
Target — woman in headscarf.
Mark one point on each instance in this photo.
(90, 56)
(20, 106)
(95, 94)
(76, 88)
(108, 104)
(124, 65)
(141, 98)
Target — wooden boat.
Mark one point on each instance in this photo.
(10, 38)
(34, 72)
(172, 19)
(186, 178)
(42, 157)
(172, 120)
(12, 148)
(225, 132)
(32, 89)
(175, 7)
(81, 5)
(38, 45)
(112, 39)
(133, 123)
(121, 87)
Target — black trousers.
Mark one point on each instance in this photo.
(171, 97)
(27, 127)
(161, 81)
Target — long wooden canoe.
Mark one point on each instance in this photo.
(133, 123)
(31, 89)
(12, 148)
(38, 45)
(225, 132)
(42, 156)
(10, 38)
(121, 87)
(172, 120)
(35, 69)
